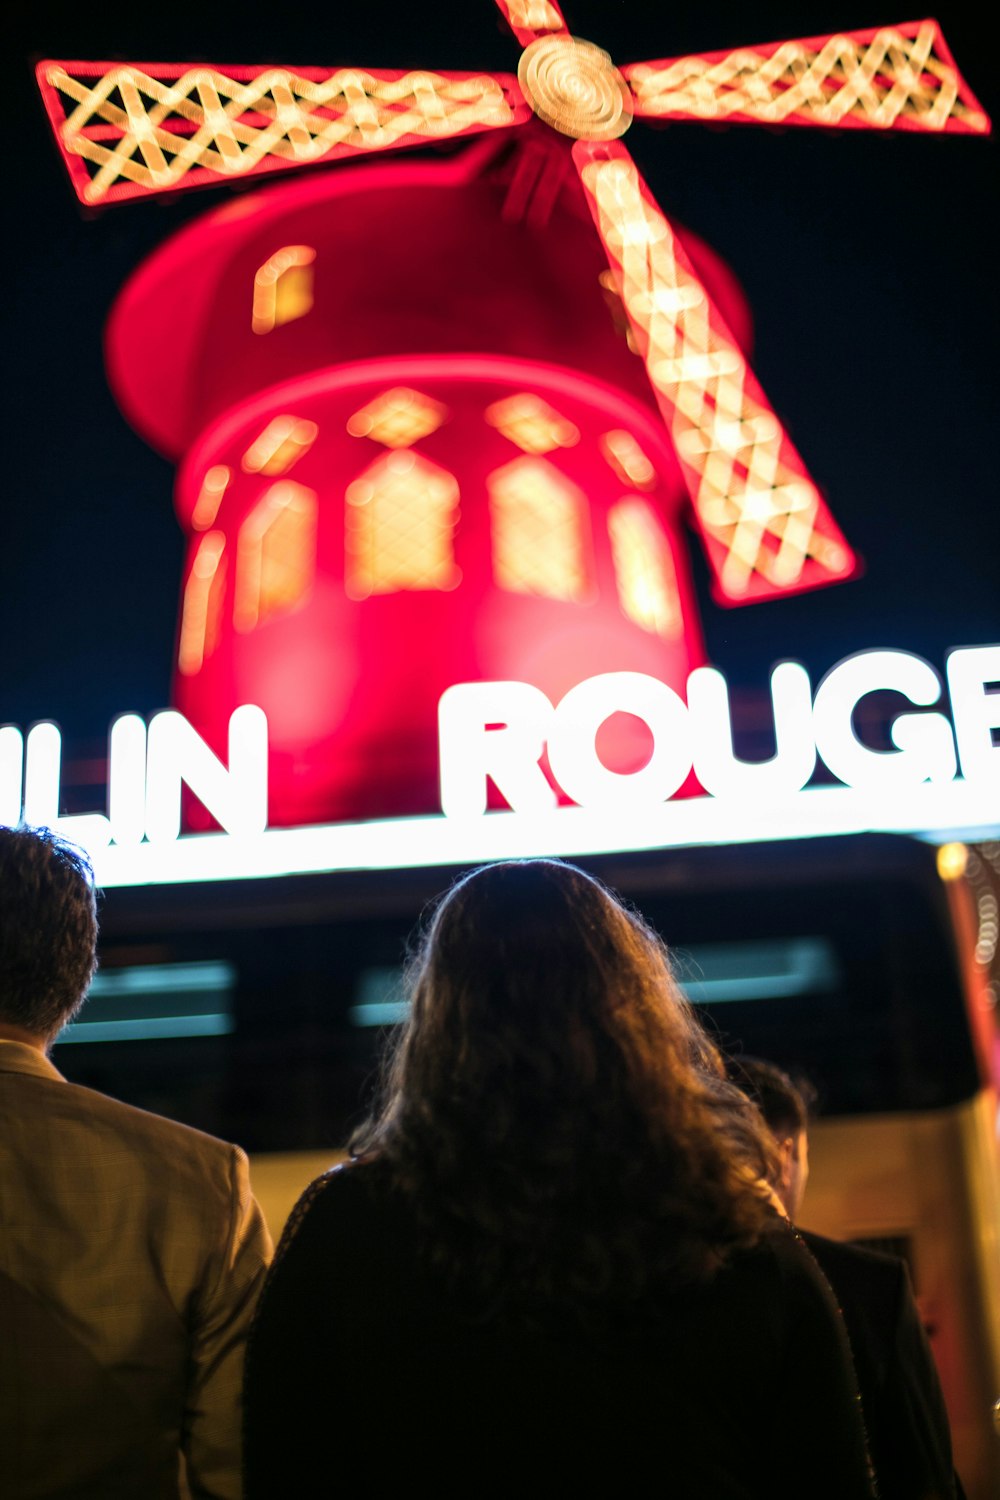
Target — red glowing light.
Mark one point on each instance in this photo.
(456, 515)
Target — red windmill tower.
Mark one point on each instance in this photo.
(416, 450)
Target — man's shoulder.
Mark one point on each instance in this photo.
(177, 1148)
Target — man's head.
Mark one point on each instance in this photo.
(785, 1107)
(48, 931)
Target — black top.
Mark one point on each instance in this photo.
(362, 1363)
(904, 1409)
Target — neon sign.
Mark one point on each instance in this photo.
(499, 730)
(942, 777)
(441, 421)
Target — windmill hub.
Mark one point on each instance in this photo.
(576, 88)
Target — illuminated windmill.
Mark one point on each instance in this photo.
(416, 449)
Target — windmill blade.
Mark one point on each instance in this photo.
(766, 528)
(890, 78)
(128, 130)
(530, 19)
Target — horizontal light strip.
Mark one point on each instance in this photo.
(955, 809)
(147, 1028)
(378, 1013)
(758, 969)
(710, 974)
(163, 979)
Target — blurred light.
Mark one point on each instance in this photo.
(575, 87)
(880, 78)
(281, 444)
(378, 1012)
(276, 554)
(761, 969)
(627, 460)
(400, 524)
(151, 1001)
(952, 860)
(538, 519)
(644, 569)
(531, 16)
(204, 122)
(531, 423)
(149, 1028)
(283, 288)
(201, 610)
(398, 418)
(210, 495)
(767, 530)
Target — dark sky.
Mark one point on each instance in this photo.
(870, 263)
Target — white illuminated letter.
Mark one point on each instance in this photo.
(715, 764)
(496, 730)
(236, 798)
(975, 711)
(11, 774)
(573, 751)
(42, 765)
(127, 779)
(42, 779)
(925, 748)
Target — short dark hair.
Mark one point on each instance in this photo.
(784, 1102)
(48, 929)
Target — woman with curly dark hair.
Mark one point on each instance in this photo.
(552, 1262)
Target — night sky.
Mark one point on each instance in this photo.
(870, 263)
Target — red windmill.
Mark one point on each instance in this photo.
(416, 449)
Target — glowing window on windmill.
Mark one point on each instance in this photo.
(283, 288)
(538, 520)
(201, 611)
(282, 443)
(398, 417)
(400, 523)
(531, 423)
(276, 554)
(644, 568)
(213, 487)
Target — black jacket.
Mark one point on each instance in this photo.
(904, 1409)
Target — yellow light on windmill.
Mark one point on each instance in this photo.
(201, 611)
(537, 521)
(281, 444)
(283, 288)
(620, 450)
(400, 521)
(276, 556)
(398, 417)
(531, 423)
(209, 499)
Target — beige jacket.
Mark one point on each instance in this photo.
(131, 1256)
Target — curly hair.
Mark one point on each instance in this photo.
(558, 1116)
(48, 929)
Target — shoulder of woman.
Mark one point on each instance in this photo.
(335, 1196)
